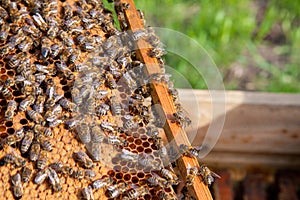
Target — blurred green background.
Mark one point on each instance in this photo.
(255, 44)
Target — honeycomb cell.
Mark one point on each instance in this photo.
(153, 146)
(10, 131)
(127, 177)
(17, 93)
(148, 151)
(141, 130)
(18, 100)
(121, 89)
(65, 88)
(10, 73)
(168, 189)
(145, 144)
(147, 197)
(119, 175)
(151, 140)
(115, 160)
(2, 128)
(130, 139)
(111, 172)
(138, 142)
(124, 96)
(1, 64)
(3, 77)
(23, 121)
(140, 175)
(68, 95)
(132, 146)
(140, 149)
(2, 70)
(3, 102)
(125, 169)
(134, 179)
(144, 137)
(123, 163)
(63, 82)
(8, 124)
(117, 168)
(135, 135)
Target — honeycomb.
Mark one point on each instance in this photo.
(67, 69)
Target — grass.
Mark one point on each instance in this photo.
(226, 30)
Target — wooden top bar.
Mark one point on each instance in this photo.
(161, 96)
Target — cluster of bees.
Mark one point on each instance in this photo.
(70, 63)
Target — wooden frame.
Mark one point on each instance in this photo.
(161, 96)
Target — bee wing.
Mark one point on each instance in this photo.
(215, 175)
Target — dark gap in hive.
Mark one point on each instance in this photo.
(18, 100)
(10, 131)
(3, 102)
(68, 95)
(23, 121)
(9, 124)
(17, 93)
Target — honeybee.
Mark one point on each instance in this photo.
(44, 142)
(102, 109)
(53, 30)
(189, 150)
(4, 32)
(29, 100)
(83, 159)
(156, 180)
(73, 122)
(7, 94)
(117, 189)
(167, 196)
(139, 34)
(207, 175)
(26, 174)
(192, 173)
(101, 94)
(54, 180)
(101, 183)
(14, 159)
(170, 176)
(136, 192)
(68, 105)
(74, 56)
(34, 151)
(87, 193)
(152, 131)
(110, 81)
(17, 185)
(6, 49)
(83, 132)
(39, 129)
(157, 52)
(89, 174)
(41, 176)
(68, 11)
(10, 111)
(120, 7)
(33, 30)
(131, 122)
(174, 94)
(40, 22)
(26, 44)
(36, 117)
(61, 66)
(56, 49)
(14, 138)
(79, 174)
(116, 140)
(26, 142)
(107, 126)
(42, 161)
(65, 38)
(147, 161)
(39, 104)
(61, 168)
(97, 135)
(129, 156)
(181, 119)
(115, 106)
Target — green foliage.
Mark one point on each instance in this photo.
(226, 30)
